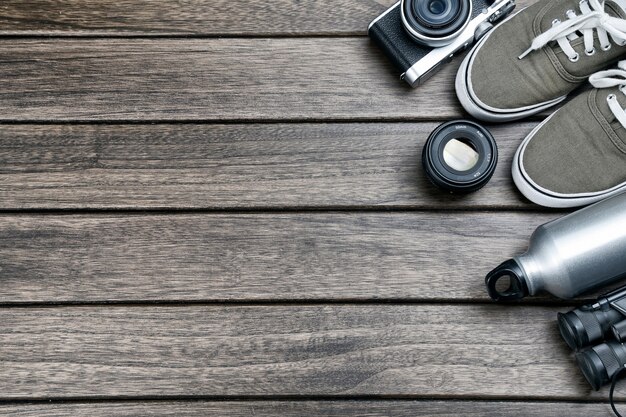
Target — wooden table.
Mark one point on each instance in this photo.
(216, 208)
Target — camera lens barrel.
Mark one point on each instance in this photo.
(460, 156)
(435, 22)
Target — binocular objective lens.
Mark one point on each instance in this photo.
(599, 363)
(586, 326)
(572, 330)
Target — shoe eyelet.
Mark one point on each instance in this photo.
(610, 97)
(606, 47)
(591, 52)
(574, 58)
(622, 88)
(556, 22)
(581, 2)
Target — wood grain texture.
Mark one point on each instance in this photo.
(408, 408)
(212, 80)
(429, 352)
(235, 166)
(197, 17)
(307, 256)
(422, 351)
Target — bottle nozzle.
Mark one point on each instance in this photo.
(506, 282)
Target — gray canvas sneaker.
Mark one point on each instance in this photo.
(534, 58)
(577, 156)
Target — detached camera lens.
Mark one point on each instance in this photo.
(460, 156)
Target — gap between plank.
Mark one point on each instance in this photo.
(297, 398)
(104, 35)
(347, 120)
(540, 302)
(172, 211)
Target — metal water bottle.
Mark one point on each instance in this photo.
(568, 256)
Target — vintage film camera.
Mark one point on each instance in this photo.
(419, 36)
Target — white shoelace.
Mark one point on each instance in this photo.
(612, 78)
(592, 17)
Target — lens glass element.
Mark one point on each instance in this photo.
(460, 155)
(436, 6)
(436, 13)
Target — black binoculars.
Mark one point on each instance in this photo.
(593, 323)
(601, 328)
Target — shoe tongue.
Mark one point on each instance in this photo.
(557, 9)
(586, 64)
(602, 107)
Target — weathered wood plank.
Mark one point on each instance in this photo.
(208, 17)
(408, 408)
(338, 256)
(422, 351)
(308, 256)
(211, 80)
(235, 166)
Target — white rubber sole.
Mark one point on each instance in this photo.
(481, 111)
(539, 195)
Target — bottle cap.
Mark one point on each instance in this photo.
(507, 282)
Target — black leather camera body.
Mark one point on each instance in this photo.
(419, 36)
